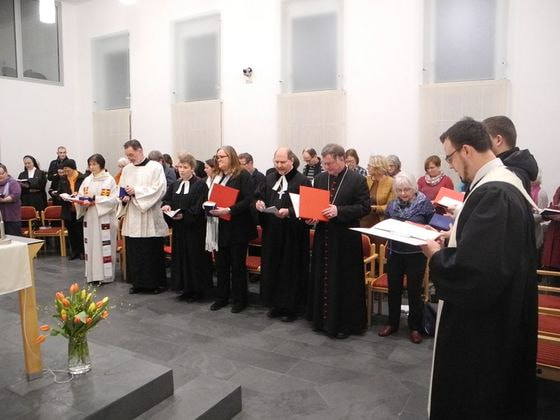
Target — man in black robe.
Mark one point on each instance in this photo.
(485, 353)
(336, 301)
(285, 249)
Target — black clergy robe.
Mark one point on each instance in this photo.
(285, 247)
(336, 299)
(188, 261)
(484, 359)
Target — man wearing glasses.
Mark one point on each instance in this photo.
(485, 352)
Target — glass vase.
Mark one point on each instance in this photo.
(78, 355)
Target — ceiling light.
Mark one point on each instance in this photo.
(47, 11)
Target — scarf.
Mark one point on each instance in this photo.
(535, 190)
(212, 223)
(6, 185)
(435, 180)
(405, 210)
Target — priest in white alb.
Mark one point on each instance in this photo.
(98, 203)
(141, 188)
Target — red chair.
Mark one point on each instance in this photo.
(50, 216)
(28, 215)
(253, 262)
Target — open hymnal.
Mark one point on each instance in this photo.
(171, 213)
(408, 233)
(549, 212)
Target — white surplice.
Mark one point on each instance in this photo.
(100, 226)
(143, 217)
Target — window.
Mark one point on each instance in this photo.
(311, 45)
(8, 64)
(29, 48)
(111, 72)
(465, 40)
(39, 44)
(197, 59)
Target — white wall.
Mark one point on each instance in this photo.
(35, 118)
(382, 71)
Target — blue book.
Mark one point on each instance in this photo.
(441, 222)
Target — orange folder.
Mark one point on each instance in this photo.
(447, 196)
(312, 202)
(223, 197)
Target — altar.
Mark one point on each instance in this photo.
(17, 275)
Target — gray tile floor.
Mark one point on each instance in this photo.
(286, 371)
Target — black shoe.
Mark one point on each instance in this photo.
(73, 256)
(274, 313)
(193, 298)
(341, 335)
(288, 318)
(219, 304)
(134, 290)
(156, 291)
(184, 296)
(237, 307)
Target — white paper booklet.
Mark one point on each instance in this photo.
(396, 230)
(295, 202)
(171, 213)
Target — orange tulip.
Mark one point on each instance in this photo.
(59, 296)
(77, 320)
(89, 320)
(44, 327)
(63, 315)
(104, 314)
(40, 339)
(99, 304)
(74, 288)
(66, 302)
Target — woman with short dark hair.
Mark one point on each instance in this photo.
(98, 195)
(186, 195)
(434, 179)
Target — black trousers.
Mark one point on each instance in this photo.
(75, 234)
(414, 266)
(12, 228)
(232, 274)
(145, 262)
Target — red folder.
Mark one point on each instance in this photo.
(449, 194)
(312, 202)
(223, 197)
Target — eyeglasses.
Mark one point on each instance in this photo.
(221, 156)
(449, 156)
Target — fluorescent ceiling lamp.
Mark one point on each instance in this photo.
(47, 11)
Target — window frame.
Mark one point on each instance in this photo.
(429, 44)
(19, 48)
(291, 9)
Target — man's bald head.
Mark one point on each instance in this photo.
(283, 160)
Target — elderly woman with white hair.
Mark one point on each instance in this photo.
(403, 259)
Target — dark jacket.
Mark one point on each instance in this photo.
(521, 163)
(241, 228)
(52, 174)
(68, 209)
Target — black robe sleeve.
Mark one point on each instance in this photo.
(246, 194)
(193, 211)
(361, 203)
(483, 264)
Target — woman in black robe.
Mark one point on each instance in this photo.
(33, 184)
(233, 235)
(285, 247)
(189, 229)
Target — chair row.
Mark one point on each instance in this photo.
(51, 224)
(548, 347)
